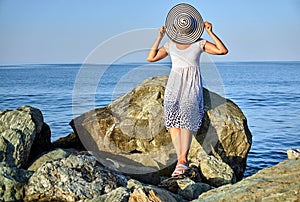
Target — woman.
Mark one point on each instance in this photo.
(183, 105)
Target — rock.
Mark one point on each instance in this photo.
(141, 192)
(278, 183)
(216, 172)
(224, 133)
(77, 177)
(171, 184)
(190, 190)
(129, 135)
(50, 156)
(134, 184)
(149, 178)
(148, 194)
(20, 131)
(293, 154)
(120, 194)
(188, 186)
(23, 136)
(70, 141)
(41, 143)
(12, 182)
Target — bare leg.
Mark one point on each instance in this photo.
(175, 136)
(185, 142)
(181, 139)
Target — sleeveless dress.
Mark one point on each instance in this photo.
(183, 102)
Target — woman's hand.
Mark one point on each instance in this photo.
(161, 32)
(216, 48)
(208, 27)
(156, 53)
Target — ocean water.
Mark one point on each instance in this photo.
(267, 92)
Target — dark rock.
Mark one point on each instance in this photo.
(50, 156)
(171, 184)
(70, 141)
(190, 190)
(41, 143)
(188, 185)
(22, 130)
(12, 182)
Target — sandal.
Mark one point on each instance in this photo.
(179, 170)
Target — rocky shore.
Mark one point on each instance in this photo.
(122, 152)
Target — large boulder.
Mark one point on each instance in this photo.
(224, 133)
(278, 183)
(77, 177)
(23, 135)
(130, 135)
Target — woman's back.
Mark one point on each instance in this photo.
(188, 57)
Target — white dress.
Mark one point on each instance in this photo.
(183, 102)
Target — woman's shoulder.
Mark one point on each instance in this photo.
(201, 42)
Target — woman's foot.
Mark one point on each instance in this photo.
(180, 169)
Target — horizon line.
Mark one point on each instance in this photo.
(156, 63)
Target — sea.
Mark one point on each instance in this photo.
(268, 93)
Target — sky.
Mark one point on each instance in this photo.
(67, 31)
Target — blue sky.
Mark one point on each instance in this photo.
(66, 31)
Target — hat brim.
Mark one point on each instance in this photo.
(184, 38)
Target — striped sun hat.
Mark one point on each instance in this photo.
(184, 24)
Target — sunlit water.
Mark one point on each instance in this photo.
(267, 92)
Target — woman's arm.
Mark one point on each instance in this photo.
(216, 48)
(156, 54)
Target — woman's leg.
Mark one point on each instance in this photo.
(176, 140)
(181, 139)
(185, 142)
